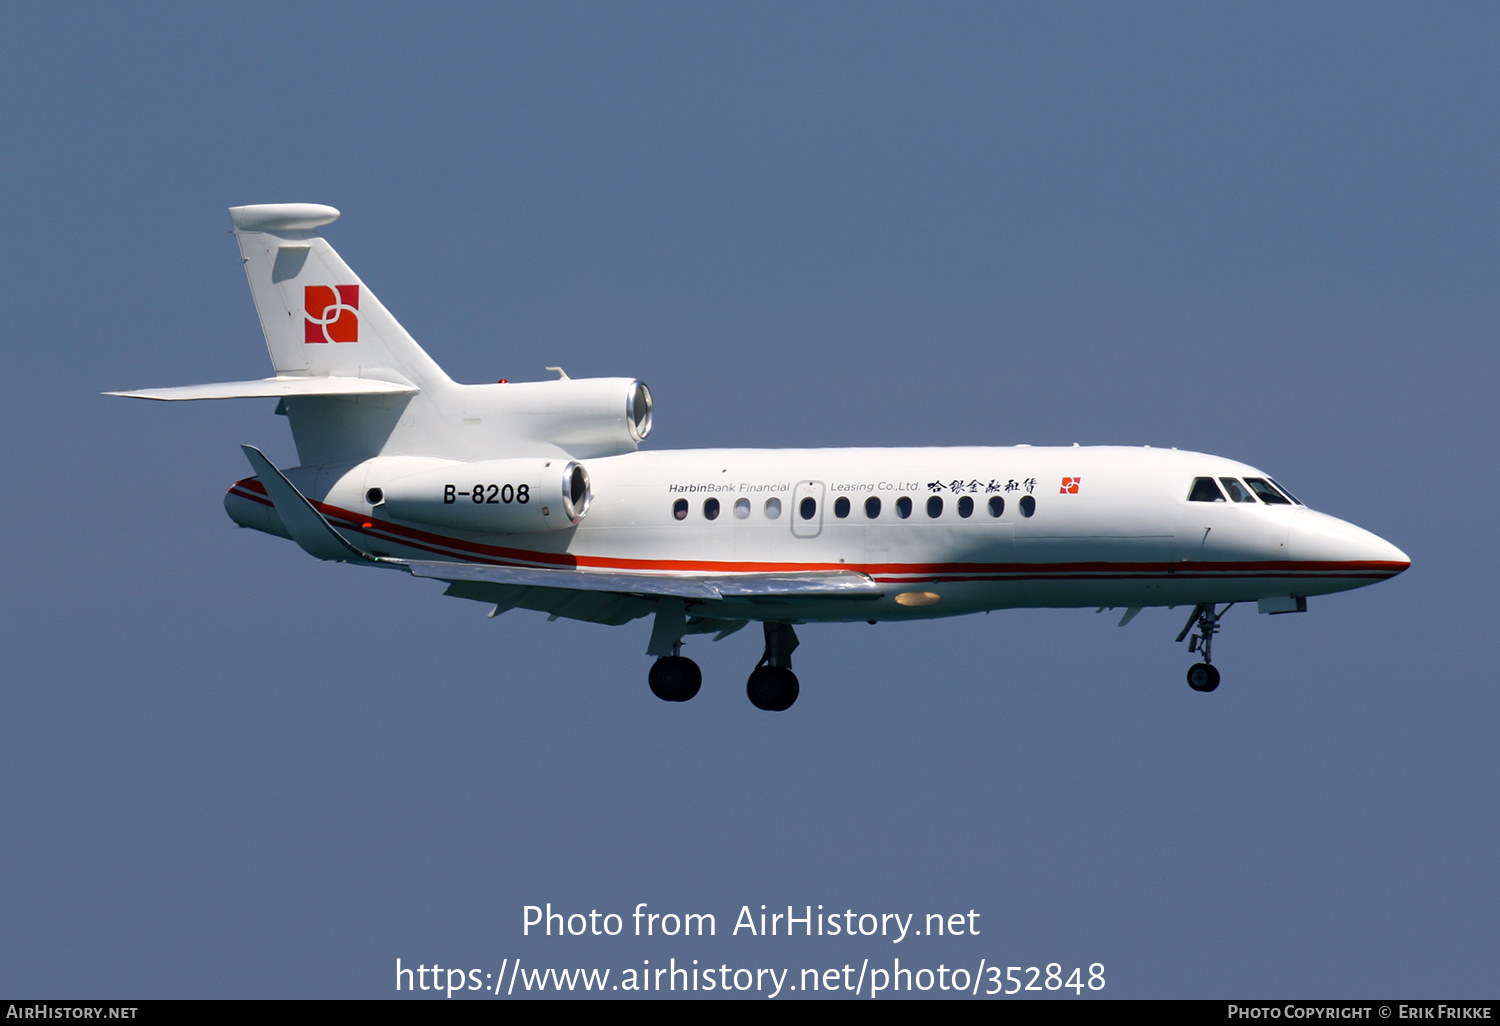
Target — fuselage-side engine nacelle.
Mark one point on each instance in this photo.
(514, 496)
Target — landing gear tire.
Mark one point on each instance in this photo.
(1202, 677)
(675, 678)
(773, 688)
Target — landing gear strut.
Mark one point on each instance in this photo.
(773, 686)
(675, 678)
(1204, 623)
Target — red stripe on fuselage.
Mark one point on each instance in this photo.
(885, 573)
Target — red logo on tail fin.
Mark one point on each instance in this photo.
(332, 313)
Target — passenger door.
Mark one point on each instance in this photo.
(807, 509)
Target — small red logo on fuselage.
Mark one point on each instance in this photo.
(332, 313)
(1070, 485)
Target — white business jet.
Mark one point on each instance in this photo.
(533, 495)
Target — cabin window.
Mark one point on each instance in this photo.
(935, 506)
(872, 507)
(741, 509)
(1266, 492)
(1237, 492)
(1204, 490)
(841, 507)
(773, 508)
(966, 507)
(903, 507)
(1028, 505)
(997, 505)
(679, 509)
(711, 509)
(808, 508)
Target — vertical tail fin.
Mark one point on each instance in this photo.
(320, 320)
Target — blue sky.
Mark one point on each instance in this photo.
(1263, 231)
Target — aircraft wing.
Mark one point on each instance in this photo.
(316, 536)
(694, 587)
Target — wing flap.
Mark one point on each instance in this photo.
(572, 580)
(814, 584)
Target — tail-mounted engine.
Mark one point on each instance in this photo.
(584, 417)
(490, 496)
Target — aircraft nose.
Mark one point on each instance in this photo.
(1319, 538)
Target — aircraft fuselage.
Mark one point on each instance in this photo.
(948, 531)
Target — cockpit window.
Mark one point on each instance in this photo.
(1204, 490)
(1237, 492)
(1266, 492)
(1288, 494)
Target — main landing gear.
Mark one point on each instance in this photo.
(675, 678)
(772, 687)
(1204, 623)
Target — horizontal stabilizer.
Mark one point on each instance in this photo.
(816, 584)
(275, 388)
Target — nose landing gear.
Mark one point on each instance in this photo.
(1203, 676)
(773, 686)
